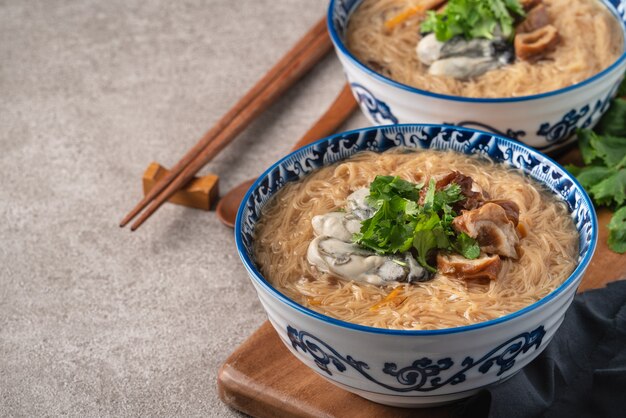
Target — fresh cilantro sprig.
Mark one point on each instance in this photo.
(617, 231)
(401, 224)
(473, 19)
(604, 176)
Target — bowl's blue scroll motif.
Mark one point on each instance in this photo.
(378, 110)
(576, 118)
(511, 133)
(424, 374)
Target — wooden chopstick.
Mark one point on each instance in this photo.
(276, 73)
(297, 67)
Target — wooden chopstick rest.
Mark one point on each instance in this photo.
(199, 193)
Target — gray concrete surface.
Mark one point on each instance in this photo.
(95, 320)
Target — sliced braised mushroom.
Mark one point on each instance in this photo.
(536, 43)
(537, 18)
(491, 227)
(510, 209)
(484, 267)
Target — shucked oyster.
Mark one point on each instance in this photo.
(332, 251)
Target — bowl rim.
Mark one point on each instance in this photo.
(263, 282)
(339, 45)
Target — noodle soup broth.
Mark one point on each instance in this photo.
(548, 249)
(591, 39)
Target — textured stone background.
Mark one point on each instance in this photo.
(94, 320)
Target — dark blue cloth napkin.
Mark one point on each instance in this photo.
(582, 372)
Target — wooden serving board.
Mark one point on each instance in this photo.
(263, 379)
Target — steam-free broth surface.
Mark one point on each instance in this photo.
(548, 249)
(590, 40)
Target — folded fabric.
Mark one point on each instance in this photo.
(582, 372)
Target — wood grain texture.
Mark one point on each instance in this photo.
(199, 193)
(263, 379)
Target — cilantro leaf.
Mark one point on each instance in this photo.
(617, 231)
(473, 19)
(425, 240)
(610, 149)
(501, 13)
(591, 175)
(442, 199)
(467, 246)
(515, 6)
(400, 223)
(611, 189)
(605, 176)
(573, 169)
(390, 230)
(584, 143)
(429, 198)
(614, 120)
(384, 187)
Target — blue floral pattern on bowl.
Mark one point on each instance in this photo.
(424, 374)
(379, 111)
(574, 119)
(484, 127)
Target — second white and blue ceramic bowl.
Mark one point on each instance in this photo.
(416, 368)
(545, 121)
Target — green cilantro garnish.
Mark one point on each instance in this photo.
(466, 246)
(617, 231)
(401, 224)
(613, 121)
(473, 19)
(385, 187)
(604, 177)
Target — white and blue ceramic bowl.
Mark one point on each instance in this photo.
(545, 121)
(416, 368)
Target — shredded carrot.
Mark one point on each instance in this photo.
(390, 297)
(403, 16)
(313, 301)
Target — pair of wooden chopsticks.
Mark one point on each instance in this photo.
(297, 62)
